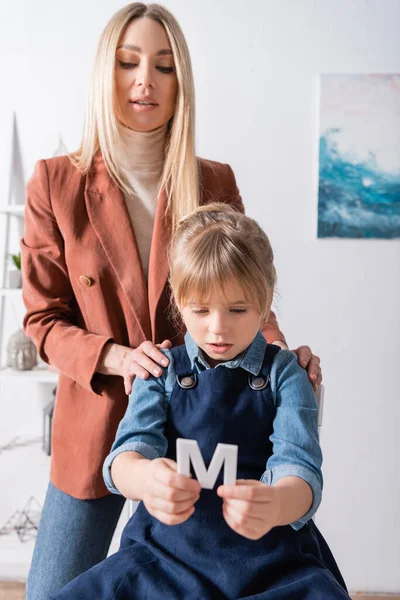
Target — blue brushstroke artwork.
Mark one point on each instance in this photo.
(359, 157)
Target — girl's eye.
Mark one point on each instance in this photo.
(126, 65)
(200, 311)
(239, 311)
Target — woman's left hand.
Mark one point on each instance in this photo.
(312, 363)
(307, 360)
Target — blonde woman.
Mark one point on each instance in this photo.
(98, 224)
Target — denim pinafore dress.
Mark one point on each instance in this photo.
(203, 558)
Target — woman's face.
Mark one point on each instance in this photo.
(145, 78)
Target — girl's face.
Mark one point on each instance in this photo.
(225, 325)
(145, 78)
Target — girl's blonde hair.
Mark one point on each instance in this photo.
(180, 176)
(215, 245)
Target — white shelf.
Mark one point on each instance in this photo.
(18, 210)
(10, 291)
(38, 374)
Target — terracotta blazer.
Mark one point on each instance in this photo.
(83, 287)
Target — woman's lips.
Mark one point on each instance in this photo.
(220, 348)
(143, 107)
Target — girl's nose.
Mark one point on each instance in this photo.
(217, 324)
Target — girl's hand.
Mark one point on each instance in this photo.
(143, 360)
(169, 497)
(250, 508)
(312, 363)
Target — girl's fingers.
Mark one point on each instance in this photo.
(168, 494)
(174, 493)
(237, 525)
(172, 508)
(236, 516)
(246, 489)
(166, 474)
(250, 510)
(169, 519)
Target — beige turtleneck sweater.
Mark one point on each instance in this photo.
(141, 158)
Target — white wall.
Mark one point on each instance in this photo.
(256, 67)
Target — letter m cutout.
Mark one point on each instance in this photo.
(225, 455)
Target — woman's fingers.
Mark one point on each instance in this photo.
(317, 381)
(165, 344)
(312, 363)
(314, 371)
(304, 355)
(128, 381)
(150, 350)
(144, 360)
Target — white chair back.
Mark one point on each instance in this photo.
(319, 397)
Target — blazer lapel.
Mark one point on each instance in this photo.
(110, 219)
(158, 264)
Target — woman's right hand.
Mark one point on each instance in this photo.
(142, 361)
(168, 496)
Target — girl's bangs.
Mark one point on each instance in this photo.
(199, 286)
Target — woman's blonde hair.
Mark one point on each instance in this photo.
(216, 245)
(180, 175)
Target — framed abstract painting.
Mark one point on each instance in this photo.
(359, 156)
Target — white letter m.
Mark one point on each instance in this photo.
(224, 455)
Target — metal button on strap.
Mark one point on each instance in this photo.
(187, 382)
(258, 383)
(85, 280)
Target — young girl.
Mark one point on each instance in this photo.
(254, 539)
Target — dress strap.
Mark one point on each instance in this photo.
(186, 377)
(182, 361)
(261, 381)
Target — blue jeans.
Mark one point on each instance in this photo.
(73, 536)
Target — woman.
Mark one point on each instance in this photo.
(95, 269)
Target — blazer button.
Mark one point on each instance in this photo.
(85, 280)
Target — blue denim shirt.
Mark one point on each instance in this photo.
(296, 449)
